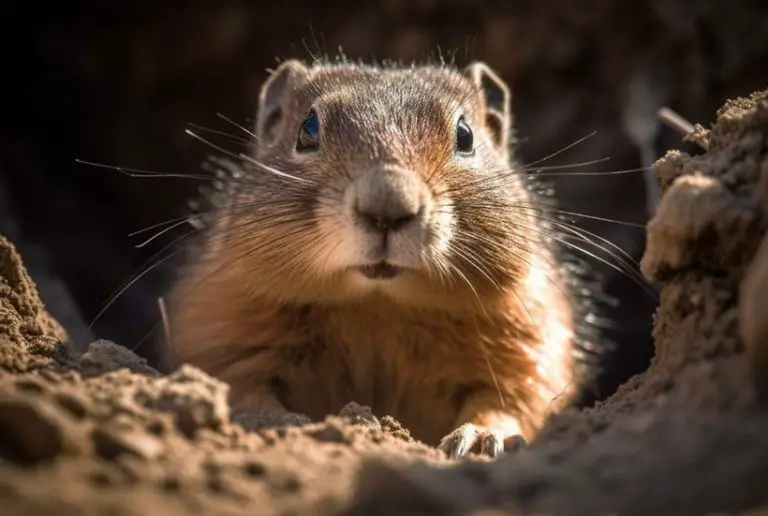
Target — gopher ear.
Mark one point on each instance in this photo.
(498, 98)
(272, 98)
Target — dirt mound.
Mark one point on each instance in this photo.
(103, 433)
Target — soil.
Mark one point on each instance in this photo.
(104, 433)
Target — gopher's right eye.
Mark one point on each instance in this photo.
(464, 137)
(309, 133)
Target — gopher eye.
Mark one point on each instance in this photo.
(309, 133)
(464, 137)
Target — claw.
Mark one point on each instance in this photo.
(491, 443)
(459, 442)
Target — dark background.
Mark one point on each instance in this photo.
(118, 82)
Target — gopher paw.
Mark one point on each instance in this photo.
(486, 441)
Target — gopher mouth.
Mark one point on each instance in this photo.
(381, 270)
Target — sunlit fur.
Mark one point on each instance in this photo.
(479, 327)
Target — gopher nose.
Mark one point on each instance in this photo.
(387, 198)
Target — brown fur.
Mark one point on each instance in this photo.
(480, 334)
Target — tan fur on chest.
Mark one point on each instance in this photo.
(418, 366)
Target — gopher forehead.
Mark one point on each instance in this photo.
(415, 79)
(421, 90)
(410, 112)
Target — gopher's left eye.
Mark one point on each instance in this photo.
(464, 138)
(309, 133)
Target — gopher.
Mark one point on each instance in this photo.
(380, 243)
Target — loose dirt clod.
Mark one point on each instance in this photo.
(102, 433)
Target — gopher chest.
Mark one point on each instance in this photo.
(417, 373)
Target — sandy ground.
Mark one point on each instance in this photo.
(103, 433)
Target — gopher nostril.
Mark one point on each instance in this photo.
(382, 222)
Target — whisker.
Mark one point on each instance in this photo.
(473, 237)
(580, 232)
(158, 225)
(557, 153)
(233, 208)
(624, 261)
(111, 301)
(147, 335)
(472, 288)
(210, 144)
(238, 139)
(467, 256)
(620, 265)
(139, 173)
(620, 260)
(244, 156)
(491, 182)
(539, 170)
(598, 173)
(239, 126)
(162, 232)
(274, 170)
(556, 211)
